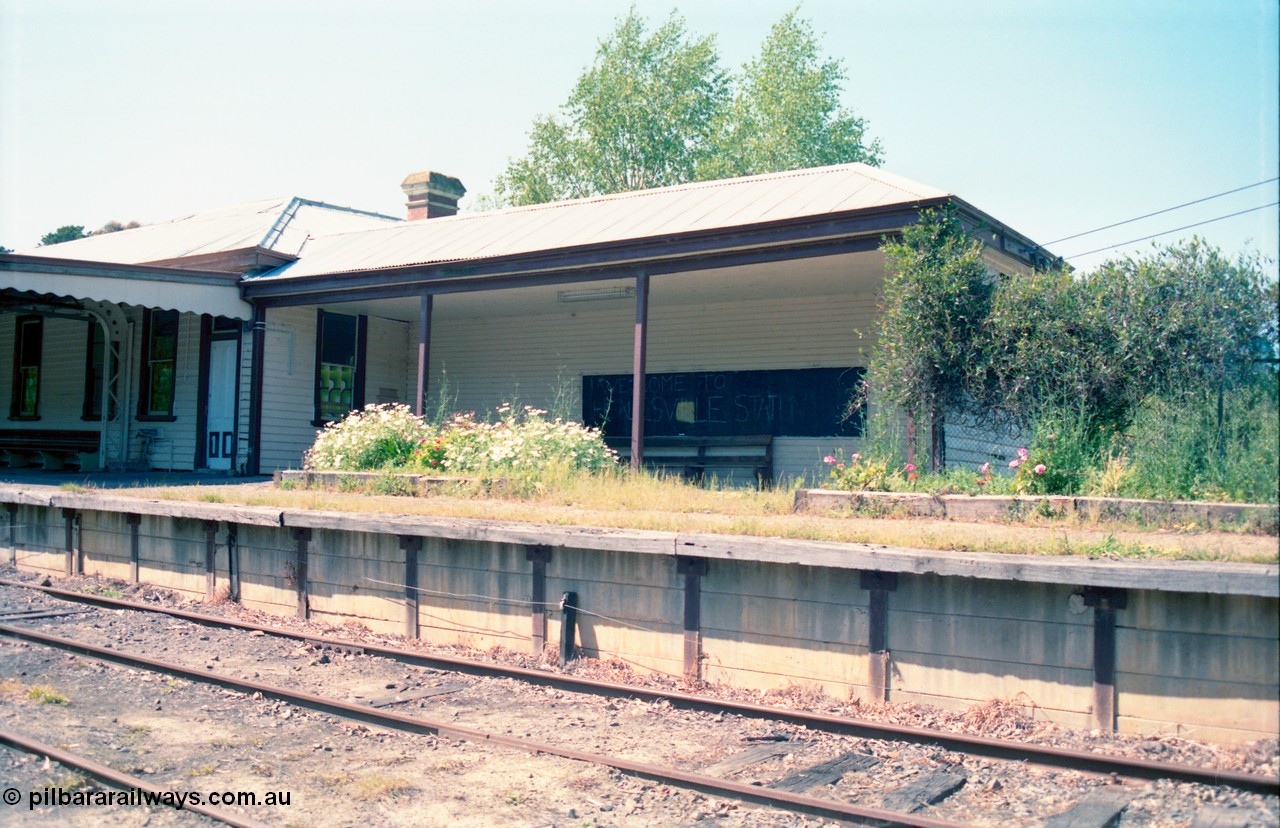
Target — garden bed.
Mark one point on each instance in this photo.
(1261, 518)
(372, 482)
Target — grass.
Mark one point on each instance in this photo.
(648, 503)
(378, 787)
(43, 694)
(102, 591)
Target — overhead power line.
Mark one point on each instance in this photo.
(1174, 230)
(1165, 210)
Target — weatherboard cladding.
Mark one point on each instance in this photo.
(485, 361)
(646, 214)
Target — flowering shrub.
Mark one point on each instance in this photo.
(522, 439)
(430, 454)
(390, 437)
(857, 474)
(379, 437)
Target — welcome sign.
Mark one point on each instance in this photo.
(805, 402)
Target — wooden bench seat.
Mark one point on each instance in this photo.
(51, 449)
(693, 457)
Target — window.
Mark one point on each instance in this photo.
(339, 365)
(159, 364)
(28, 342)
(95, 365)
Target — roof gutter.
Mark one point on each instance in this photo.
(79, 267)
(673, 253)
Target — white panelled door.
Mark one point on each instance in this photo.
(220, 431)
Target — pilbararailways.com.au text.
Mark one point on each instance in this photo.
(136, 797)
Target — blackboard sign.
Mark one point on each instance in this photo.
(807, 402)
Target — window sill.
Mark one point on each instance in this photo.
(155, 418)
(24, 419)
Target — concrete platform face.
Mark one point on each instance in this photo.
(1190, 647)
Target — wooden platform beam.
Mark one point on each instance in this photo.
(693, 570)
(75, 564)
(412, 546)
(301, 539)
(12, 509)
(538, 557)
(210, 559)
(135, 523)
(1105, 602)
(879, 585)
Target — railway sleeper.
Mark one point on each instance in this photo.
(926, 790)
(1102, 808)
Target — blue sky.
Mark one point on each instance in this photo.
(1055, 118)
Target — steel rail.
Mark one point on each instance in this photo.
(785, 800)
(862, 728)
(118, 779)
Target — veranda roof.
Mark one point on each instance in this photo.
(621, 217)
(162, 288)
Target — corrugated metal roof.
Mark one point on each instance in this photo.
(708, 205)
(280, 224)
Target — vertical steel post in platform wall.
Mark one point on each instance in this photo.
(638, 368)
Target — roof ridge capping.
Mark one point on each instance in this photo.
(867, 171)
(875, 173)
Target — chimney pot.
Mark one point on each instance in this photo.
(432, 194)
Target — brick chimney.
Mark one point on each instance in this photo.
(432, 194)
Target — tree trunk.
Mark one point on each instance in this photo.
(937, 441)
(911, 438)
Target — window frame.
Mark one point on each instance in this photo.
(24, 360)
(358, 367)
(147, 359)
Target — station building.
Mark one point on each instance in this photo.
(222, 340)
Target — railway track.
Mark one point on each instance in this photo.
(852, 760)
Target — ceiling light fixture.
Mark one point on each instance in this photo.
(595, 294)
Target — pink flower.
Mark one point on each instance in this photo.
(1022, 454)
(829, 460)
(856, 457)
(1013, 464)
(839, 465)
(1041, 469)
(985, 468)
(910, 467)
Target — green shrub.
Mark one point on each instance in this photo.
(1067, 446)
(1179, 451)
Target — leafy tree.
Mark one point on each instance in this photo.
(114, 226)
(1181, 319)
(641, 116)
(936, 297)
(1054, 349)
(657, 109)
(68, 232)
(786, 113)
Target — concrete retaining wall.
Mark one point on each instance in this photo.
(1260, 517)
(872, 623)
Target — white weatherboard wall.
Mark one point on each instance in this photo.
(177, 448)
(61, 374)
(288, 390)
(62, 385)
(488, 361)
